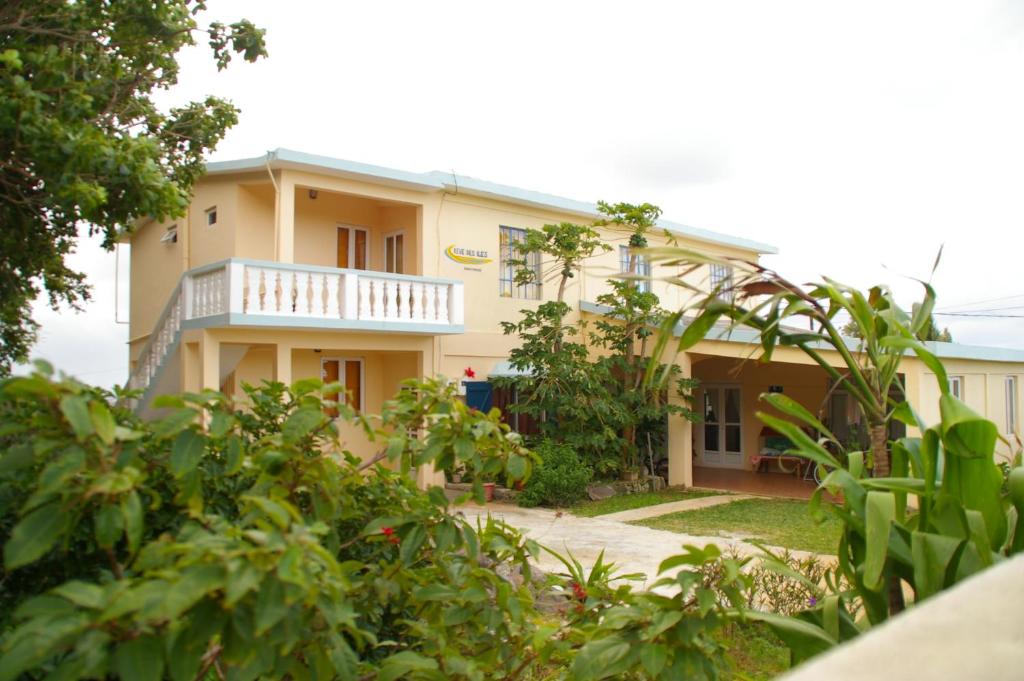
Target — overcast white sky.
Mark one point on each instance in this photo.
(858, 137)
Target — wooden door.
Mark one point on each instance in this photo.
(330, 371)
(353, 248)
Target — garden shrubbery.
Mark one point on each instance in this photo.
(243, 542)
(560, 478)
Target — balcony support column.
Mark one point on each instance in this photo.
(426, 475)
(283, 363)
(209, 348)
(284, 220)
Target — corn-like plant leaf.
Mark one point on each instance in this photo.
(935, 561)
(880, 511)
(787, 405)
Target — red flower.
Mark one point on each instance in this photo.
(395, 540)
(469, 373)
(387, 531)
(578, 591)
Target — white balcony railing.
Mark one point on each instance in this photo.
(277, 292)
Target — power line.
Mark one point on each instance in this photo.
(989, 300)
(972, 314)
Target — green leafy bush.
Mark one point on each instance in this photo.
(560, 479)
(242, 542)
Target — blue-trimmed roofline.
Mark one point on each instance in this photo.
(458, 184)
(747, 335)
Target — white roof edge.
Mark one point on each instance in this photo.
(437, 180)
(747, 335)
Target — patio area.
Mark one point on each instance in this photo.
(771, 484)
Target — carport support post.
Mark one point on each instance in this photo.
(283, 363)
(680, 435)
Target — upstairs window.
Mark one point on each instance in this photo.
(510, 236)
(211, 216)
(643, 268)
(721, 281)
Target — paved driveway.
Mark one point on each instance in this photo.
(632, 548)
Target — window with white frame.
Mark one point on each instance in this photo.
(510, 236)
(211, 216)
(1011, 405)
(956, 387)
(643, 268)
(721, 281)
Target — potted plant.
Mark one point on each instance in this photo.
(489, 491)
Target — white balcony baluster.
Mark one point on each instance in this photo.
(364, 299)
(390, 299)
(442, 304)
(416, 309)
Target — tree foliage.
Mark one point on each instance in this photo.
(242, 541)
(83, 144)
(584, 387)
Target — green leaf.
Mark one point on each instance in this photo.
(16, 458)
(102, 421)
(76, 410)
(34, 535)
(935, 562)
(411, 544)
(134, 523)
(270, 605)
(516, 467)
(697, 329)
(436, 592)
(109, 523)
(804, 639)
(880, 510)
(140, 659)
(187, 452)
(787, 405)
(301, 423)
(401, 665)
(174, 422)
(81, 593)
(597, 658)
(653, 657)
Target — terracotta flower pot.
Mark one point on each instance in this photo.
(488, 491)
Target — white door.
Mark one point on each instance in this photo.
(723, 426)
(394, 252)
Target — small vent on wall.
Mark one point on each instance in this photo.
(170, 236)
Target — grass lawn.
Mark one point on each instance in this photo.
(780, 522)
(753, 651)
(625, 502)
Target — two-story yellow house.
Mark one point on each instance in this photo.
(292, 265)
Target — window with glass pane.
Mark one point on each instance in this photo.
(711, 419)
(733, 431)
(510, 236)
(1011, 405)
(956, 387)
(643, 268)
(721, 281)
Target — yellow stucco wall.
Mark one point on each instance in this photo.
(259, 217)
(154, 271)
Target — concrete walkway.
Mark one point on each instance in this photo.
(631, 547)
(672, 507)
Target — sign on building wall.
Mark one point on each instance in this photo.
(467, 256)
